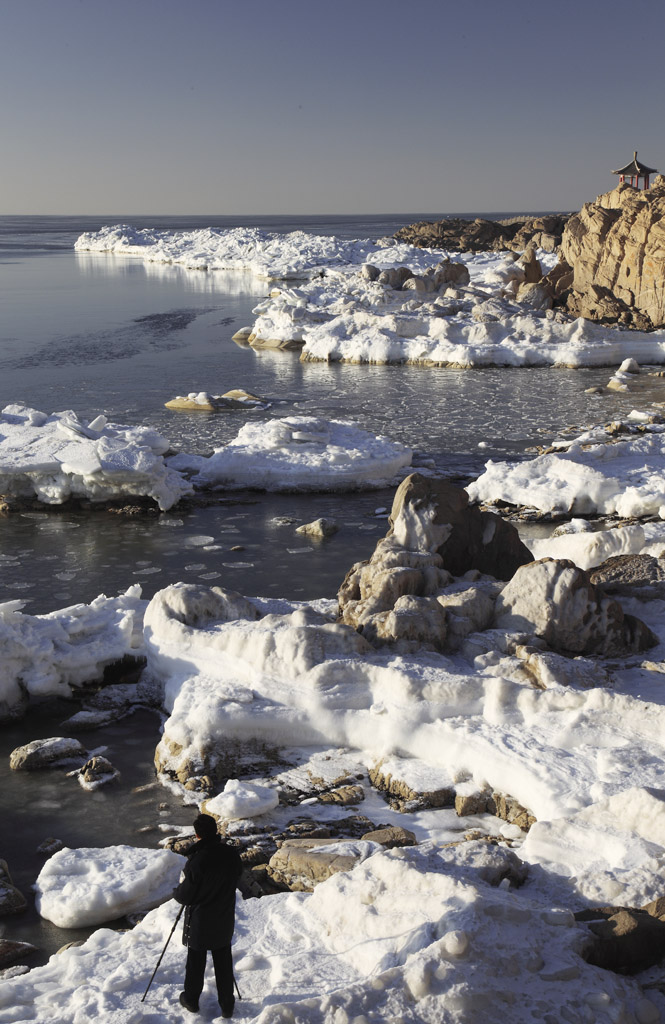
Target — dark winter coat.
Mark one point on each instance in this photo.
(208, 892)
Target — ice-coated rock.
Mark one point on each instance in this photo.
(96, 772)
(50, 753)
(557, 601)
(402, 593)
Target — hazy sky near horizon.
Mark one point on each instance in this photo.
(352, 106)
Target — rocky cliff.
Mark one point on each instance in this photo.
(616, 249)
(481, 235)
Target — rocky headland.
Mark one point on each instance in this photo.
(611, 254)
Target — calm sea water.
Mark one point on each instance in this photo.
(116, 336)
(121, 337)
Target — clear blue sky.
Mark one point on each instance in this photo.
(301, 106)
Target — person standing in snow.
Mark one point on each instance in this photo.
(208, 892)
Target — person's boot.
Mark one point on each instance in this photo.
(192, 1007)
(227, 1007)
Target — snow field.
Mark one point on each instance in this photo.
(417, 934)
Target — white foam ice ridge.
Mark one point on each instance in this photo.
(48, 655)
(59, 456)
(267, 254)
(621, 475)
(88, 886)
(342, 312)
(299, 453)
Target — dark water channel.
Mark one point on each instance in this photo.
(45, 804)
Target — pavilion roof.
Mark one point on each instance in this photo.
(636, 167)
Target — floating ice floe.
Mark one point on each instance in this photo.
(299, 453)
(48, 655)
(622, 475)
(59, 456)
(88, 886)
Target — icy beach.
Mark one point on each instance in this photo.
(440, 769)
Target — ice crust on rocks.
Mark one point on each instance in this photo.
(57, 457)
(88, 886)
(48, 655)
(300, 453)
(591, 474)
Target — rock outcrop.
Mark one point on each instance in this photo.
(481, 235)
(406, 591)
(555, 600)
(615, 247)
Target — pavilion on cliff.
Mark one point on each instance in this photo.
(636, 170)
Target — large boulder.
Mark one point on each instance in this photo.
(406, 594)
(300, 864)
(616, 247)
(51, 753)
(555, 600)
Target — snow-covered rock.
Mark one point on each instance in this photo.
(241, 800)
(47, 754)
(88, 886)
(594, 474)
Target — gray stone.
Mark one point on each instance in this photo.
(50, 753)
(12, 901)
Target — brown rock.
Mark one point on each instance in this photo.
(627, 941)
(556, 600)
(391, 836)
(616, 246)
(11, 951)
